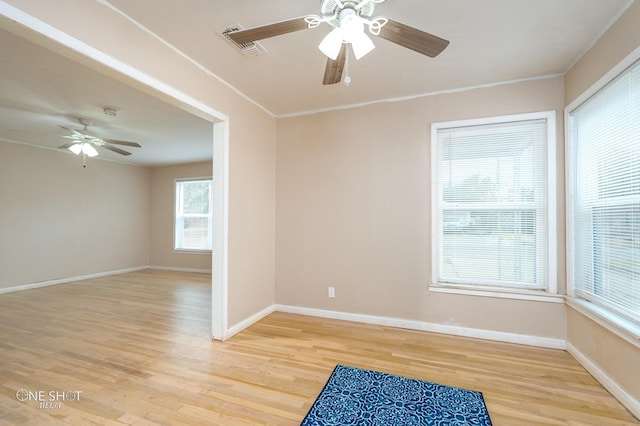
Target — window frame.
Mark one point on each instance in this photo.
(610, 318)
(547, 292)
(176, 216)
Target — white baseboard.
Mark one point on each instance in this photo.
(175, 269)
(231, 331)
(632, 404)
(48, 283)
(545, 342)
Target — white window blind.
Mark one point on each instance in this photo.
(604, 146)
(193, 218)
(491, 214)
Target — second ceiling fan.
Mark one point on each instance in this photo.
(85, 142)
(349, 18)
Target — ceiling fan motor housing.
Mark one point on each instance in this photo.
(334, 7)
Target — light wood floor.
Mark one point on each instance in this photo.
(137, 347)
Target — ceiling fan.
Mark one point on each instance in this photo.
(348, 19)
(85, 141)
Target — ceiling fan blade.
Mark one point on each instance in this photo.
(413, 39)
(334, 69)
(117, 142)
(114, 149)
(67, 145)
(267, 31)
(74, 132)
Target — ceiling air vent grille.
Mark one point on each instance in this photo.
(251, 48)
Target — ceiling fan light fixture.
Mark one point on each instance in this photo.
(84, 148)
(350, 29)
(351, 25)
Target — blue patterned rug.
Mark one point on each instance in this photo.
(353, 396)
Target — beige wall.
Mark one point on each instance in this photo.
(251, 137)
(620, 40)
(613, 356)
(60, 220)
(252, 211)
(353, 211)
(162, 217)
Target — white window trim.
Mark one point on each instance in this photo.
(499, 293)
(548, 294)
(174, 219)
(608, 318)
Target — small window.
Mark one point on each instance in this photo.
(193, 218)
(492, 223)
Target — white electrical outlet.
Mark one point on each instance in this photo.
(332, 292)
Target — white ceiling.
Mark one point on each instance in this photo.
(491, 41)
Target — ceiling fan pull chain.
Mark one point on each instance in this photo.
(347, 78)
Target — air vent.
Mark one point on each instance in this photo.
(251, 48)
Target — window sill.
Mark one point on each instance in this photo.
(617, 324)
(187, 251)
(500, 293)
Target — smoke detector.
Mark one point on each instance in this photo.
(110, 111)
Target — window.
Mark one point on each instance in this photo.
(193, 220)
(604, 196)
(493, 228)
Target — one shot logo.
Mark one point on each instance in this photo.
(51, 399)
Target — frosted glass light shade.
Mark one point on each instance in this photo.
(76, 148)
(89, 150)
(332, 43)
(361, 44)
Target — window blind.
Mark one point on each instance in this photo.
(492, 197)
(604, 138)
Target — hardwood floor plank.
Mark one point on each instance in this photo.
(138, 347)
